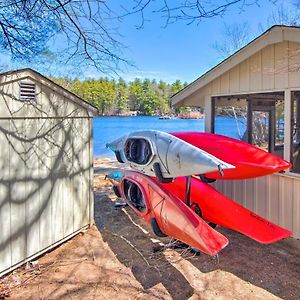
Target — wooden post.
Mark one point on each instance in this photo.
(91, 177)
(208, 113)
(287, 124)
(188, 190)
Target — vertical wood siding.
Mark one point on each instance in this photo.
(45, 177)
(5, 215)
(275, 67)
(275, 197)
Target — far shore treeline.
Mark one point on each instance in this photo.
(117, 97)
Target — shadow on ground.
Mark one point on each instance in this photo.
(114, 224)
(275, 268)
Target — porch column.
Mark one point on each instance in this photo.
(208, 113)
(287, 124)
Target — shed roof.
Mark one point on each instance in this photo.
(48, 82)
(275, 34)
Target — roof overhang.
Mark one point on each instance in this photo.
(275, 34)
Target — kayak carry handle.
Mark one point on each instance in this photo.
(188, 191)
(118, 156)
(196, 208)
(220, 170)
(159, 175)
(156, 229)
(206, 179)
(116, 191)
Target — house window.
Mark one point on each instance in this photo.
(27, 91)
(230, 117)
(266, 124)
(295, 132)
(257, 119)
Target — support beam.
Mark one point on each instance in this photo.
(188, 190)
(287, 124)
(208, 113)
(91, 174)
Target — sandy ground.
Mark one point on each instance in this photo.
(118, 258)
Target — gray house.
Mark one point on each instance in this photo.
(46, 166)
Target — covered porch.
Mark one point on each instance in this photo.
(256, 94)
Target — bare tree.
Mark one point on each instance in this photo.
(235, 36)
(84, 31)
(190, 11)
(284, 15)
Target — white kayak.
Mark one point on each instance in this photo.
(157, 153)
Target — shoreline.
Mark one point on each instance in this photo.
(153, 116)
(103, 166)
(103, 163)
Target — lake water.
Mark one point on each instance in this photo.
(107, 129)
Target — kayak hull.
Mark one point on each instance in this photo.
(219, 209)
(249, 161)
(145, 150)
(170, 214)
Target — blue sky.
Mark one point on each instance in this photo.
(178, 51)
(182, 51)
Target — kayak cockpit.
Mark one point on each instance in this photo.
(138, 150)
(134, 196)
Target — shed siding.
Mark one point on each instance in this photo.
(18, 185)
(45, 176)
(32, 207)
(45, 184)
(275, 197)
(58, 146)
(5, 215)
(48, 102)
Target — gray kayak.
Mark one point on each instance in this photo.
(157, 153)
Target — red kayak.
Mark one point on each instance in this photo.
(216, 208)
(249, 161)
(167, 214)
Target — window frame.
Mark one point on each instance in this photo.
(251, 106)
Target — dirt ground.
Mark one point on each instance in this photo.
(120, 258)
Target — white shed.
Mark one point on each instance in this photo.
(262, 83)
(46, 166)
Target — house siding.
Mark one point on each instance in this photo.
(270, 68)
(276, 197)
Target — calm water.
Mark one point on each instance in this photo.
(107, 129)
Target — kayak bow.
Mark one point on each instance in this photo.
(167, 214)
(165, 156)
